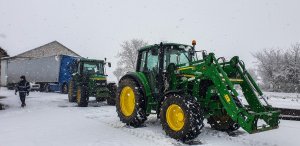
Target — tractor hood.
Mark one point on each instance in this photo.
(98, 77)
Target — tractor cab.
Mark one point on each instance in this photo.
(162, 55)
(158, 61)
(92, 69)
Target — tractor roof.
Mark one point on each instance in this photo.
(90, 60)
(165, 44)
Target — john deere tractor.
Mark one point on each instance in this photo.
(183, 87)
(89, 79)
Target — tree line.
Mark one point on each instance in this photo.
(279, 69)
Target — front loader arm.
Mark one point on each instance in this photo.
(247, 118)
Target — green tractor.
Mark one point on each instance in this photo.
(89, 79)
(183, 87)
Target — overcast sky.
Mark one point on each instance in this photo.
(96, 28)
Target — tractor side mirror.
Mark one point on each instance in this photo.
(191, 52)
(154, 51)
(204, 55)
(109, 64)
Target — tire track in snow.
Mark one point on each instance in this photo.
(159, 138)
(206, 131)
(144, 133)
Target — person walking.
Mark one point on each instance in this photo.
(23, 88)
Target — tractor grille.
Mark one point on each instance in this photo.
(100, 83)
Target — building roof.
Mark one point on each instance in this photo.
(46, 50)
(3, 53)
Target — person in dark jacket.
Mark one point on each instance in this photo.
(23, 87)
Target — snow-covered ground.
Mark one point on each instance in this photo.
(284, 100)
(276, 99)
(49, 119)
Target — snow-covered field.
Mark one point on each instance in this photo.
(279, 100)
(49, 119)
(284, 100)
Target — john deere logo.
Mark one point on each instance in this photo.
(227, 98)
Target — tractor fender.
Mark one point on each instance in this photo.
(172, 92)
(112, 87)
(141, 80)
(112, 84)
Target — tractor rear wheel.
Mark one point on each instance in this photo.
(82, 97)
(223, 123)
(130, 103)
(181, 117)
(71, 95)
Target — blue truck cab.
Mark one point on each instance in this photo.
(66, 69)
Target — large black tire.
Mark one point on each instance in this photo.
(137, 112)
(189, 125)
(112, 92)
(223, 123)
(71, 92)
(111, 101)
(64, 88)
(100, 99)
(82, 96)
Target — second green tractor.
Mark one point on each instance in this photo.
(89, 79)
(183, 86)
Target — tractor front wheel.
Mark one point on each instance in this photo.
(130, 103)
(181, 117)
(223, 123)
(71, 95)
(100, 99)
(82, 97)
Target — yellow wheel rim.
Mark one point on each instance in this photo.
(127, 101)
(65, 88)
(175, 117)
(78, 97)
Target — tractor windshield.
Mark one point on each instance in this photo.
(93, 68)
(178, 56)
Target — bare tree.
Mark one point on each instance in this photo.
(118, 73)
(128, 56)
(280, 69)
(253, 73)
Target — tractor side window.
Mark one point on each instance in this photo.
(100, 70)
(152, 62)
(143, 61)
